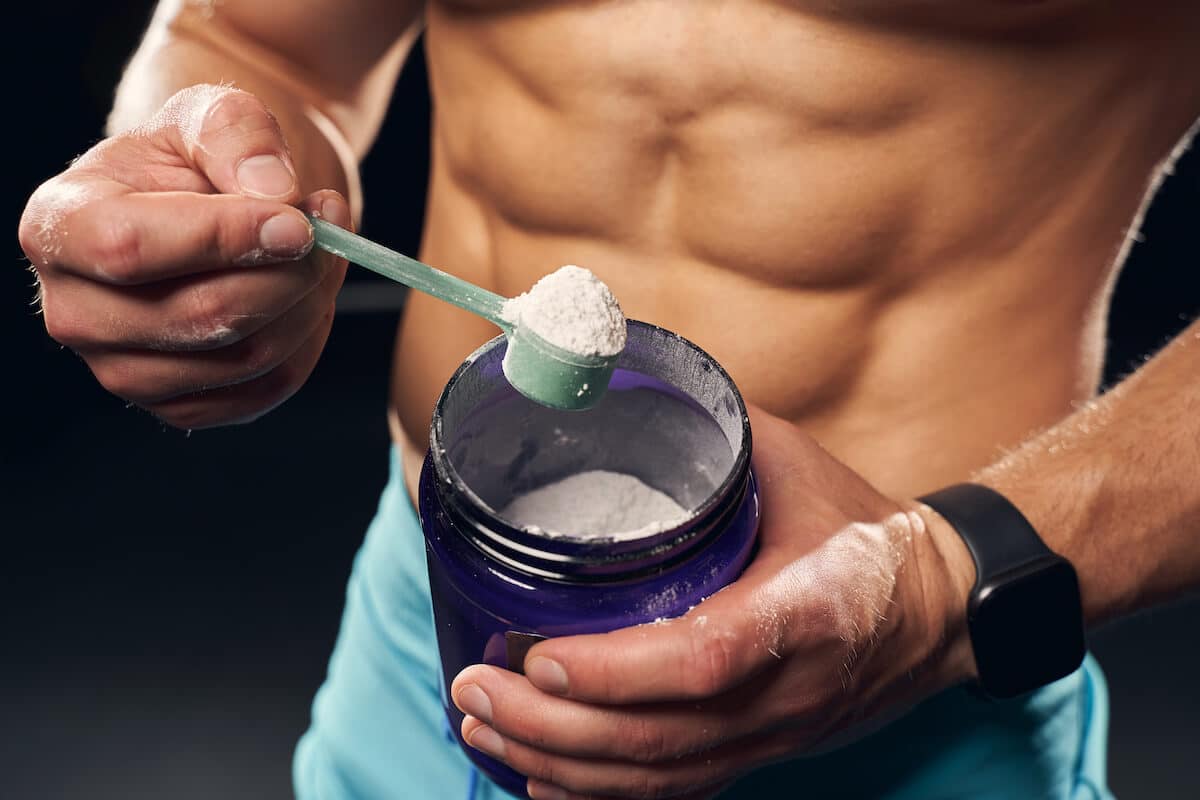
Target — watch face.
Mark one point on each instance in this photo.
(1027, 627)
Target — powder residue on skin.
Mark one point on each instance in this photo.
(51, 205)
(571, 308)
(852, 577)
(595, 504)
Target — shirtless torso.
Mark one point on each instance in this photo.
(846, 203)
(842, 202)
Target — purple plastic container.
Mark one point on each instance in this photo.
(671, 417)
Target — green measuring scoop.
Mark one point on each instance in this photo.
(543, 372)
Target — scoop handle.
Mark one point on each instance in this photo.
(409, 271)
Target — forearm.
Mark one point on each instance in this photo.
(329, 120)
(1115, 487)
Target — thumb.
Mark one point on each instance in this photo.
(233, 139)
(709, 650)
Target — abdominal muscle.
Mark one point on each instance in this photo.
(901, 240)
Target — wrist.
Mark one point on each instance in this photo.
(947, 576)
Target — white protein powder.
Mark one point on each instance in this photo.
(571, 308)
(597, 504)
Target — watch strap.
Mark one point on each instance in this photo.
(994, 530)
(1024, 615)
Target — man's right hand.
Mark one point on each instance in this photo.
(174, 260)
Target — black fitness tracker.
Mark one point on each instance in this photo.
(1024, 615)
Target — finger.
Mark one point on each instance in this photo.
(642, 733)
(233, 138)
(248, 401)
(146, 377)
(203, 312)
(743, 630)
(141, 238)
(330, 206)
(43, 229)
(606, 778)
(718, 645)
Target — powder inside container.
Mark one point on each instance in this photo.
(595, 504)
(573, 309)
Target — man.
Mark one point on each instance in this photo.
(896, 225)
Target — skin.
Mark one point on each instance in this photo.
(916, 209)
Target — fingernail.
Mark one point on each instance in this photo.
(547, 675)
(335, 210)
(286, 234)
(487, 741)
(265, 176)
(544, 791)
(474, 701)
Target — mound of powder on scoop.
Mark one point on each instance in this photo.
(595, 504)
(571, 308)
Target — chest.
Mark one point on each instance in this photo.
(978, 15)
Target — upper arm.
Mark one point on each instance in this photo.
(341, 56)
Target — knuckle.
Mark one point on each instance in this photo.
(822, 618)
(61, 325)
(238, 112)
(257, 356)
(233, 235)
(42, 227)
(231, 104)
(613, 681)
(644, 739)
(712, 663)
(261, 358)
(28, 236)
(647, 785)
(285, 379)
(526, 728)
(118, 380)
(542, 767)
(261, 395)
(102, 156)
(208, 315)
(116, 249)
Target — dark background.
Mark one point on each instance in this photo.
(168, 601)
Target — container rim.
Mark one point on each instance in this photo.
(574, 551)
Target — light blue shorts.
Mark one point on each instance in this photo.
(378, 729)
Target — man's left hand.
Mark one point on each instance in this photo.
(852, 611)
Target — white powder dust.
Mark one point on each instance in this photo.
(571, 308)
(597, 504)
